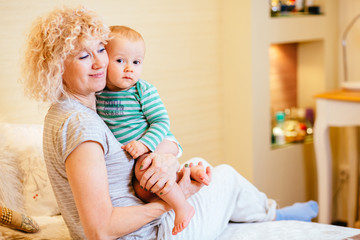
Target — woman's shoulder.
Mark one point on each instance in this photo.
(73, 122)
(71, 114)
(70, 109)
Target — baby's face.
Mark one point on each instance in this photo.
(125, 63)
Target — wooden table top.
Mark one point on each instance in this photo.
(341, 95)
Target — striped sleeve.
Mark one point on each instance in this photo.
(155, 113)
(79, 128)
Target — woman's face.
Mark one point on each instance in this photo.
(85, 70)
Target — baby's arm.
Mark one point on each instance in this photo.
(159, 125)
(136, 148)
(156, 115)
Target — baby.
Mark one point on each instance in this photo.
(134, 112)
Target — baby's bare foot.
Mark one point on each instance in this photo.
(182, 218)
(198, 173)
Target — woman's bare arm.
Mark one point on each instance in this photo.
(86, 171)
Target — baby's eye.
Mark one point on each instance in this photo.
(136, 62)
(120, 60)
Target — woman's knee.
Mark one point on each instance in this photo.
(225, 168)
(225, 171)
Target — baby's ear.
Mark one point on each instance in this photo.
(12, 219)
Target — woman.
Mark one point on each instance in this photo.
(65, 64)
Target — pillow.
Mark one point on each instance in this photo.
(13, 219)
(24, 143)
(11, 187)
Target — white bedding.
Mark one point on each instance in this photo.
(287, 230)
(54, 228)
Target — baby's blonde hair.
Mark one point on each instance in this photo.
(125, 32)
(51, 40)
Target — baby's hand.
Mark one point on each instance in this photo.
(135, 148)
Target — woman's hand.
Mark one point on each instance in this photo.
(160, 172)
(189, 186)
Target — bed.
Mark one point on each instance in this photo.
(24, 187)
(54, 228)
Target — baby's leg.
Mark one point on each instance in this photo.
(198, 173)
(175, 198)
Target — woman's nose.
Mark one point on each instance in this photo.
(99, 62)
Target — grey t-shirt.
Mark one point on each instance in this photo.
(68, 124)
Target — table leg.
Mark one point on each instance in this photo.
(324, 169)
(351, 134)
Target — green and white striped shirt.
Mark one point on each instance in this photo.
(135, 114)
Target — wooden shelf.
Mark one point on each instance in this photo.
(296, 29)
(295, 14)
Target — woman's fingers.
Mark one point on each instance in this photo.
(160, 172)
(155, 187)
(208, 172)
(167, 188)
(148, 161)
(151, 175)
(185, 182)
(188, 186)
(186, 173)
(162, 187)
(160, 181)
(151, 180)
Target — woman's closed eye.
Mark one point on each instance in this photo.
(83, 56)
(102, 50)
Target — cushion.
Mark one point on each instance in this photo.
(29, 189)
(51, 227)
(16, 220)
(11, 187)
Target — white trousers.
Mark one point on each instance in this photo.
(229, 197)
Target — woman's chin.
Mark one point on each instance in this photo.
(101, 86)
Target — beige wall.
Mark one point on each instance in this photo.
(182, 60)
(236, 77)
(349, 9)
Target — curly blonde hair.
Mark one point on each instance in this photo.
(51, 40)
